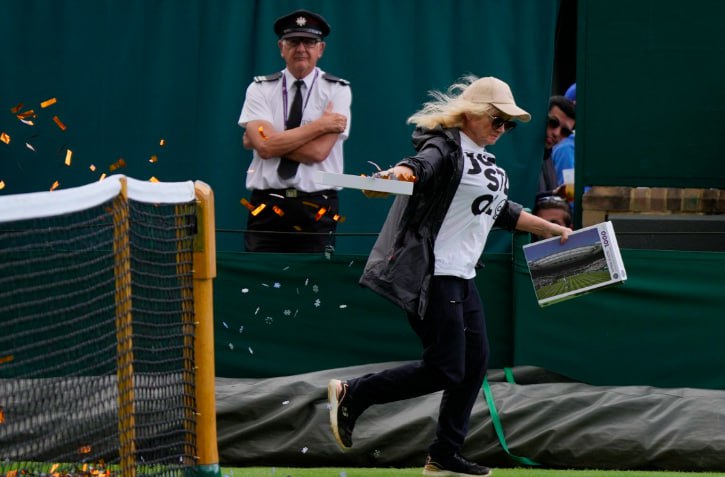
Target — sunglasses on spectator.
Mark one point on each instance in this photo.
(306, 42)
(555, 123)
(497, 122)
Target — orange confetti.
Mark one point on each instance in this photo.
(320, 213)
(261, 133)
(48, 102)
(336, 217)
(28, 122)
(2, 185)
(68, 155)
(84, 450)
(278, 211)
(53, 468)
(16, 108)
(103, 176)
(26, 114)
(162, 142)
(11, 473)
(259, 209)
(117, 165)
(10, 357)
(246, 204)
(54, 186)
(153, 179)
(5, 138)
(60, 124)
(297, 228)
(154, 158)
(92, 167)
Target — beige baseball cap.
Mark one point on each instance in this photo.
(493, 91)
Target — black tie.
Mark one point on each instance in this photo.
(287, 167)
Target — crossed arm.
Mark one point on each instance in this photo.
(307, 144)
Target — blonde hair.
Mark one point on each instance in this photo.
(447, 109)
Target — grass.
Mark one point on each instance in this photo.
(392, 472)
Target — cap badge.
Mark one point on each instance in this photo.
(301, 21)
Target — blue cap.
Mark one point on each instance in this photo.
(571, 93)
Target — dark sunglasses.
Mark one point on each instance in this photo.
(554, 123)
(497, 122)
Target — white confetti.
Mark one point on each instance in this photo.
(351, 262)
(304, 450)
(317, 302)
(245, 290)
(256, 311)
(225, 325)
(284, 403)
(307, 280)
(231, 346)
(285, 268)
(343, 306)
(250, 350)
(29, 147)
(287, 312)
(241, 328)
(296, 311)
(315, 288)
(269, 320)
(265, 285)
(277, 284)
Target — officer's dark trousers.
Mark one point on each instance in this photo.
(455, 358)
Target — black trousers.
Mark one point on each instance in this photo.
(455, 359)
(292, 221)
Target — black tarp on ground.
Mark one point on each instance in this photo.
(545, 417)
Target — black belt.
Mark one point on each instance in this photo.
(292, 193)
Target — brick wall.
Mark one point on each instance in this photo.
(598, 202)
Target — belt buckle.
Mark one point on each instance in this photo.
(290, 193)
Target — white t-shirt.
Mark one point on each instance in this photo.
(265, 101)
(481, 194)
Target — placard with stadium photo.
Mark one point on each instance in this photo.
(587, 261)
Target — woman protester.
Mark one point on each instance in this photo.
(425, 259)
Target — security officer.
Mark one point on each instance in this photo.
(295, 121)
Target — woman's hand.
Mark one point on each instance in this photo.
(401, 173)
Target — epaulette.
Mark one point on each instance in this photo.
(335, 79)
(272, 77)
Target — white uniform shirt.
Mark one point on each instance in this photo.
(481, 194)
(265, 101)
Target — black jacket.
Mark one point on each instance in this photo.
(400, 265)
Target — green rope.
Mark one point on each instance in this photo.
(497, 421)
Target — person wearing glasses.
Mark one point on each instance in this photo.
(295, 121)
(552, 208)
(559, 125)
(425, 257)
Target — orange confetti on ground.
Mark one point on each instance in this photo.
(320, 213)
(48, 102)
(8, 358)
(259, 209)
(154, 158)
(60, 124)
(54, 186)
(68, 155)
(277, 210)
(162, 142)
(5, 138)
(16, 108)
(153, 179)
(92, 168)
(11, 473)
